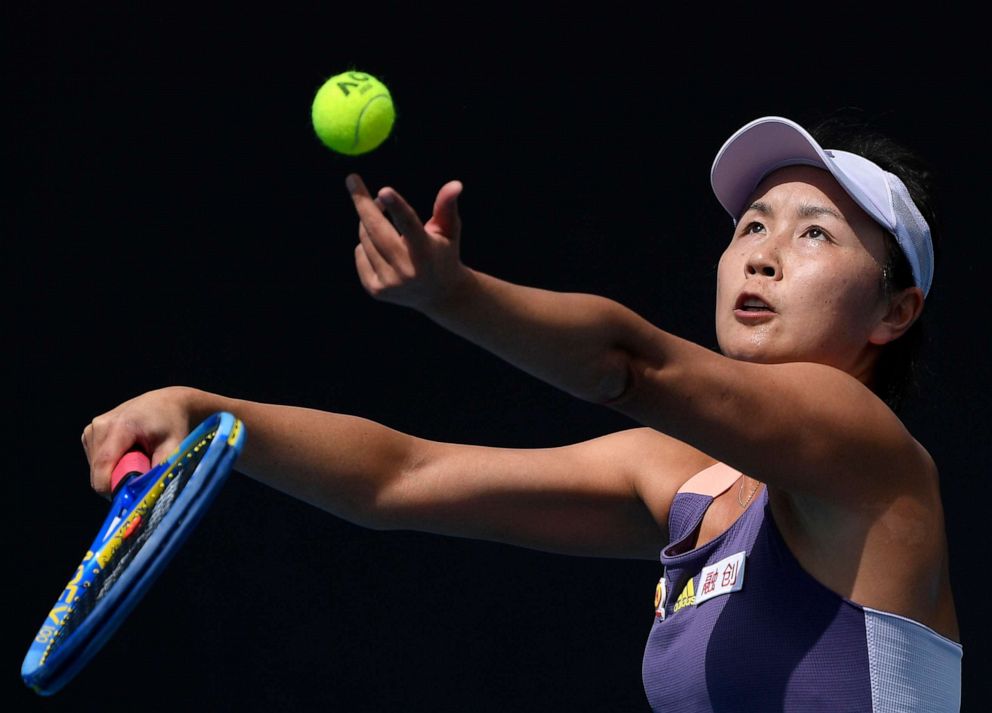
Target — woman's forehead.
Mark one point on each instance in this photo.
(802, 183)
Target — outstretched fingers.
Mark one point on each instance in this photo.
(367, 274)
(378, 229)
(399, 258)
(375, 259)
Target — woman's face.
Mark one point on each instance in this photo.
(801, 277)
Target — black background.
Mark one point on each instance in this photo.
(172, 219)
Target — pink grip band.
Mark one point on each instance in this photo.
(130, 462)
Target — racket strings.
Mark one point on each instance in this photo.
(122, 558)
(105, 578)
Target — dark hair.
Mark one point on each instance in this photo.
(898, 368)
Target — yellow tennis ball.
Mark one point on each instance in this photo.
(353, 113)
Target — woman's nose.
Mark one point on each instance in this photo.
(764, 262)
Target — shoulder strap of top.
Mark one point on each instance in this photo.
(712, 481)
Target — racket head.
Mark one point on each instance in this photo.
(151, 516)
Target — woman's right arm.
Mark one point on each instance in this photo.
(605, 497)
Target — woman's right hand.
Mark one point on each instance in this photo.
(156, 422)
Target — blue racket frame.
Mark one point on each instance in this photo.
(46, 669)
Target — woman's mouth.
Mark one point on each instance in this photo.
(752, 308)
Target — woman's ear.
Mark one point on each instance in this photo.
(904, 309)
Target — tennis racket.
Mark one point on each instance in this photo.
(153, 512)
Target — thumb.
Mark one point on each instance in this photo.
(445, 219)
(165, 450)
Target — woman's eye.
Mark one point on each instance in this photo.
(816, 233)
(753, 227)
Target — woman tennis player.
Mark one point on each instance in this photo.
(799, 523)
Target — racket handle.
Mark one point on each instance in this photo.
(131, 463)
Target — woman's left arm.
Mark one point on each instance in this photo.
(805, 428)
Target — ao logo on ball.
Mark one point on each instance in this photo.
(353, 113)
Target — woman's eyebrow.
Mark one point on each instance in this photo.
(804, 210)
(759, 207)
(810, 210)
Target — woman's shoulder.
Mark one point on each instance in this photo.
(657, 450)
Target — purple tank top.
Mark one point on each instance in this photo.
(741, 626)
